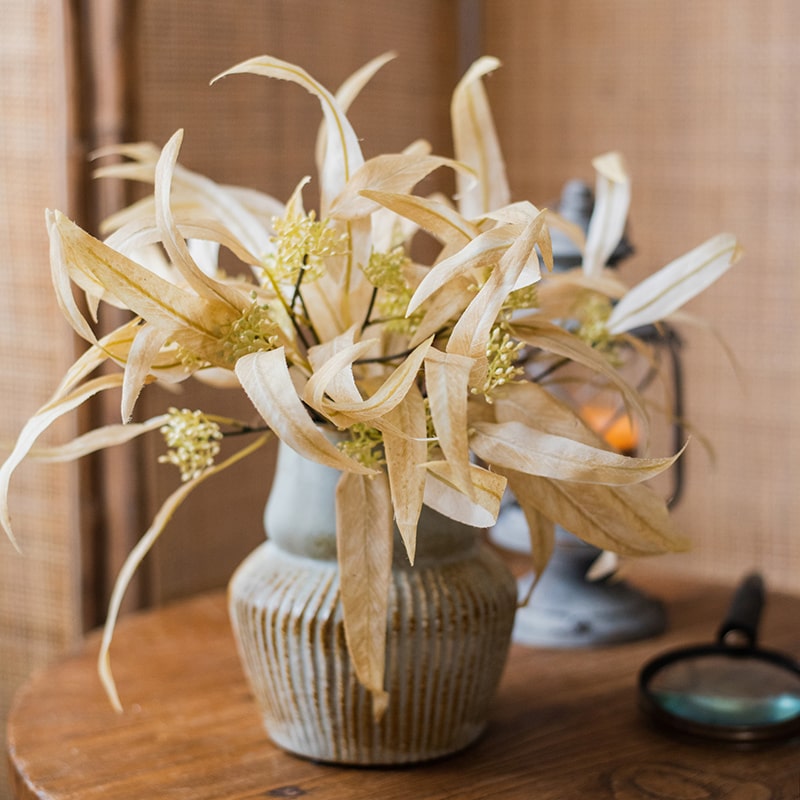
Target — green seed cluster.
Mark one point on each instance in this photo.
(253, 331)
(193, 441)
(302, 243)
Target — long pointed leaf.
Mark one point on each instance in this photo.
(484, 250)
(388, 395)
(152, 298)
(34, 428)
(335, 376)
(144, 351)
(174, 243)
(405, 448)
(136, 556)
(541, 531)
(97, 439)
(473, 329)
(343, 153)
(607, 224)
(60, 275)
(439, 219)
(341, 385)
(364, 536)
(553, 339)
(675, 284)
(447, 383)
(476, 143)
(92, 358)
(629, 520)
(395, 173)
(536, 407)
(345, 95)
(443, 308)
(512, 445)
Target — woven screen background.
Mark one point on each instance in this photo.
(257, 132)
(703, 99)
(39, 606)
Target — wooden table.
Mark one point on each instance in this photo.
(565, 724)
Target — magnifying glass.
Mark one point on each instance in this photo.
(732, 690)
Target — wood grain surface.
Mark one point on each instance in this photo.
(565, 724)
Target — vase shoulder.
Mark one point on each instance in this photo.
(300, 517)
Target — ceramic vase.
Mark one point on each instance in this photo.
(448, 631)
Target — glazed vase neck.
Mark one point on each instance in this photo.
(300, 517)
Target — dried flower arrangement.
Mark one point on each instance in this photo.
(424, 369)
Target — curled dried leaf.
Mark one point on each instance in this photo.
(265, 378)
(393, 173)
(476, 144)
(342, 151)
(36, 426)
(135, 557)
(447, 383)
(479, 508)
(434, 216)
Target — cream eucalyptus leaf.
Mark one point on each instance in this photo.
(142, 355)
(364, 536)
(473, 329)
(199, 320)
(675, 284)
(607, 223)
(405, 448)
(447, 383)
(479, 508)
(513, 445)
(266, 380)
(431, 214)
(386, 397)
(630, 520)
(342, 151)
(476, 143)
(136, 556)
(346, 95)
(392, 173)
(36, 426)
(97, 439)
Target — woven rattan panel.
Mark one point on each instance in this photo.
(39, 608)
(704, 101)
(260, 133)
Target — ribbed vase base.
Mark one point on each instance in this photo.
(378, 758)
(448, 632)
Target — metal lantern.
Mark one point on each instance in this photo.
(566, 608)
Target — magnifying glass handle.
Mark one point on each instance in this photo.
(745, 611)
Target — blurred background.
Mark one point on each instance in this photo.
(702, 98)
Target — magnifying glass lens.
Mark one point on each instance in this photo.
(719, 690)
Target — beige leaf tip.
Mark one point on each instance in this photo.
(380, 702)
(612, 166)
(13, 539)
(408, 534)
(107, 680)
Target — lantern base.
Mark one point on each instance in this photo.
(566, 609)
(580, 613)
